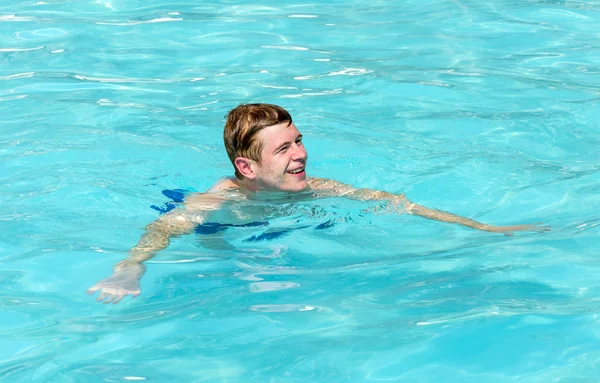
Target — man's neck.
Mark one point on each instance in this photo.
(247, 185)
(253, 190)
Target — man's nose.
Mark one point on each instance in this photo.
(299, 152)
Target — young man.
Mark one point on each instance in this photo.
(269, 160)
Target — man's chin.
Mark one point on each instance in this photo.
(297, 186)
(291, 186)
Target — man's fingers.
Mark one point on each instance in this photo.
(111, 295)
(102, 296)
(537, 227)
(110, 299)
(93, 289)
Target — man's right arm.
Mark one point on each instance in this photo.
(175, 223)
(127, 273)
(158, 235)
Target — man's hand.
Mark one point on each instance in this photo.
(508, 230)
(125, 281)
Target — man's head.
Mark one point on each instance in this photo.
(265, 147)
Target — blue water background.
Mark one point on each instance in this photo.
(488, 109)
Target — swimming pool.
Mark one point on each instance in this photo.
(485, 109)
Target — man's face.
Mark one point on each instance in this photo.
(283, 159)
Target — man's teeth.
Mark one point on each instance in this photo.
(296, 171)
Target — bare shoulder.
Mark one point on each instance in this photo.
(322, 183)
(213, 198)
(226, 184)
(326, 187)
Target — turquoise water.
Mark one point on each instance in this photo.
(485, 109)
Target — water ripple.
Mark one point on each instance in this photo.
(158, 20)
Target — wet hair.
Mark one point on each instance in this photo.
(243, 124)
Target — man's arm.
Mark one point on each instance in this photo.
(442, 216)
(325, 187)
(158, 234)
(175, 223)
(127, 273)
(332, 188)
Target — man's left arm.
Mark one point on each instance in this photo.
(331, 188)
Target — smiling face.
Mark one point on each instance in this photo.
(282, 163)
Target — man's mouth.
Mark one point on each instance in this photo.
(296, 171)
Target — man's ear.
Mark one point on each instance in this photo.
(245, 167)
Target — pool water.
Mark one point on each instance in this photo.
(487, 109)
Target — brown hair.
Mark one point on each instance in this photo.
(243, 124)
